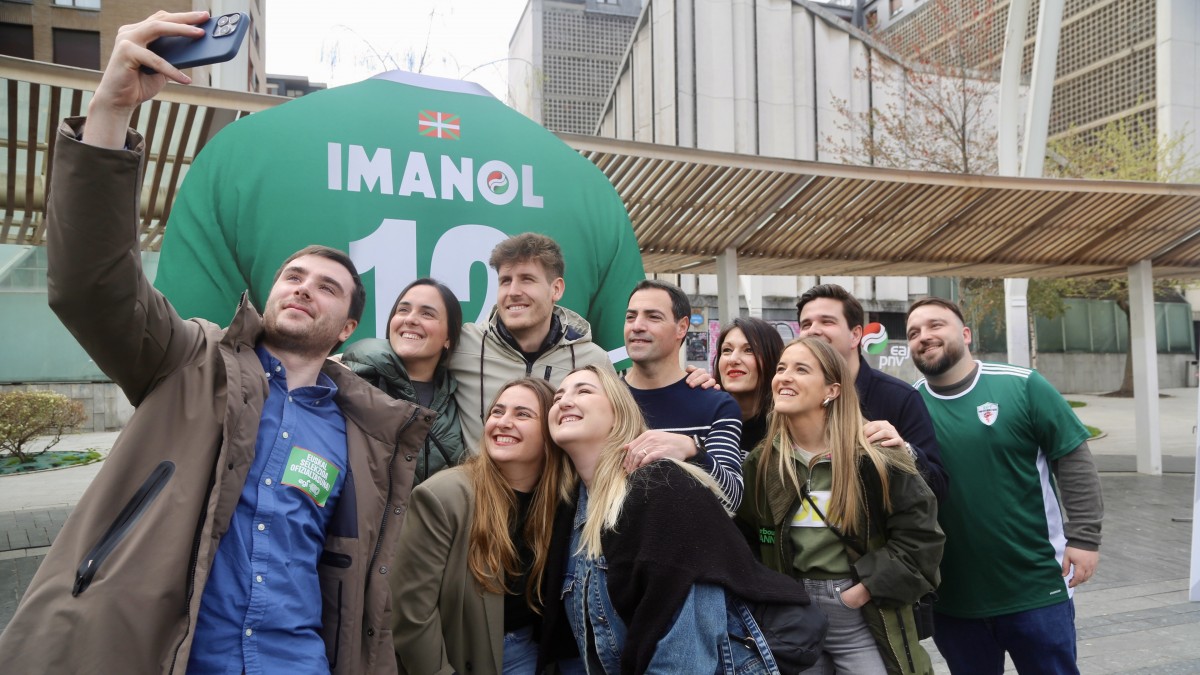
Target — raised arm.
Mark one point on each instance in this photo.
(96, 284)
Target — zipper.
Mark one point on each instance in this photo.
(904, 639)
(194, 560)
(124, 521)
(391, 469)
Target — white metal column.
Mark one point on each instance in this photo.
(727, 285)
(1037, 118)
(1144, 352)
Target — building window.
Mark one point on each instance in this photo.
(896, 7)
(78, 4)
(79, 48)
(16, 40)
(872, 19)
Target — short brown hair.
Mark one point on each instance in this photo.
(851, 308)
(358, 295)
(936, 302)
(530, 246)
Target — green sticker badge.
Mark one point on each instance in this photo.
(311, 473)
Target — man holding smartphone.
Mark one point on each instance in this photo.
(245, 519)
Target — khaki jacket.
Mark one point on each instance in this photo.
(483, 362)
(444, 622)
(120, 589)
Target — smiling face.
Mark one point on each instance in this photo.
(525, 299)
(308, 309)
(512, 433)
(825, 318)
(937, 341)
(799, 386)
(582, 416)
(652, 334)
(418, 331)
(737, 365)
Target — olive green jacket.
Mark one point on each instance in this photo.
(443, 622)
(903, 550)
(374, 361)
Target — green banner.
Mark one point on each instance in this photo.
(413, 176)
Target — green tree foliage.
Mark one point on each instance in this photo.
(26, 415)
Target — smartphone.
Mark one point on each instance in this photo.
(221, 41)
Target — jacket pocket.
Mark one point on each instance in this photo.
(124, 522)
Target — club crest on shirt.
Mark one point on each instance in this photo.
(988, 412)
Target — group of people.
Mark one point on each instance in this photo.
(493, 498)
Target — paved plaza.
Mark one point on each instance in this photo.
(1132, 617)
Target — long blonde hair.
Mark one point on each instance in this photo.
(610, 483)
(845, 442)
(492, 555)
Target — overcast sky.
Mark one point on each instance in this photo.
(347, 41)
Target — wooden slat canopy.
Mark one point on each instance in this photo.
(790, 217)
(782, 217)
(36, 96)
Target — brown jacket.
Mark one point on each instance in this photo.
(447, 623)
(120, 589)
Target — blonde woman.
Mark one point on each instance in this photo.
(466, 583)
(657, 571)
(854, 521)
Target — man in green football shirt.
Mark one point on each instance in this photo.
(1019, 458)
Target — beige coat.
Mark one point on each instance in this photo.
(444, 622)
(199, 392)
(483, 362)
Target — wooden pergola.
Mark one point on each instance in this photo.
(698, 211)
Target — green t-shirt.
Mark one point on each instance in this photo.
(412, 176)
(1003, 522)
(818, 553)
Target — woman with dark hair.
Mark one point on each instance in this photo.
(656, 576)
(423, 330)
(467, 588)
(853, 521)
(747, 351)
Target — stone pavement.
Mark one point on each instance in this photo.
(1132, 617)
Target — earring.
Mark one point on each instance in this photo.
(827, 401)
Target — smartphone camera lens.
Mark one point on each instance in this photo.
(233, 18)
(223, 20)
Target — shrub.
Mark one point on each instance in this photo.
(26, 415)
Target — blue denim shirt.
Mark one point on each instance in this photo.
(261, 608)
(711, 633)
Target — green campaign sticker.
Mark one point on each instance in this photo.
(311, 473)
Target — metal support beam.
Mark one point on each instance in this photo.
(1194, 582)
(1016, 317)
(727, 285)
(1041, 87)
(1144, 352)
(1037, 118)
(1009, 118)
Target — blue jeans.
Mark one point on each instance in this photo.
(520, 652)
(849, 645)
(1038, 640)
(711, 633)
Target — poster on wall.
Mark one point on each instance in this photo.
(413, 176)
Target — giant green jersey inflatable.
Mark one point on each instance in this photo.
(413, 176)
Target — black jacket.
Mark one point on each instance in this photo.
(884, 397)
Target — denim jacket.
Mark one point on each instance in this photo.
(713, 632)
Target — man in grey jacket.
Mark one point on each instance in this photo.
(251, 505)
(527, 334)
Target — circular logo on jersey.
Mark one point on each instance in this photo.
(497, 182)
(874, 339)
